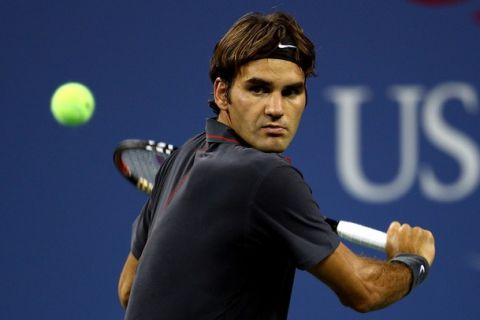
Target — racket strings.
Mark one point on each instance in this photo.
(143, 164)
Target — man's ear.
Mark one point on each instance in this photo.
(220, 93)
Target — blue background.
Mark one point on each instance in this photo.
(66, 213)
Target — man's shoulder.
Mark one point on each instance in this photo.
(249, 158)
(195, 141)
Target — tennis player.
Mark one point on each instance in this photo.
(230, 220)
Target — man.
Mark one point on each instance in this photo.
(229, 219)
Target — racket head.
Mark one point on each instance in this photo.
(139, 160)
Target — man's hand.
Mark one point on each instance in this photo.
(402, 238)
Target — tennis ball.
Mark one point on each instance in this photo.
(72, 104)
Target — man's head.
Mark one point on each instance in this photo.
(256, 36)
(259, 69)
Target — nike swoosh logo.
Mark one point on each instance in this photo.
(284, 46)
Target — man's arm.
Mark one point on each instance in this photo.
(126, 279)
(366, 284)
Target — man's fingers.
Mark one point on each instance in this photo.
(403, 238)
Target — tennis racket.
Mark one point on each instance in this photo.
(139, 161)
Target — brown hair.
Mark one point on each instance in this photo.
(256, 36)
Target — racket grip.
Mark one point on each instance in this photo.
(362, 235)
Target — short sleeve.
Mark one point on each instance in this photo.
(139, 232)
(285, 209)
(142, 223)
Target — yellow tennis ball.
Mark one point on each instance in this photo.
(72, 104)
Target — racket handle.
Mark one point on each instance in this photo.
(361, 235)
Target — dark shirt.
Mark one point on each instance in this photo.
(223, 232)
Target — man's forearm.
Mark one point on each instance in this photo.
(126, 279)
(385, 282)
(362, 283)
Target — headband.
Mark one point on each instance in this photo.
(286, 50)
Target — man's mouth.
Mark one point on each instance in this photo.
(274, 129)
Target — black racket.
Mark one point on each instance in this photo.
(139, 161)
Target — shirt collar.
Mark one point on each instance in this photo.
(218, 132)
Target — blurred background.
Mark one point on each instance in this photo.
(391, 132)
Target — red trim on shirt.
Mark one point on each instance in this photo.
(211, 136)
(174, 192)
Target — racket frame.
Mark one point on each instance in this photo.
(160, 148)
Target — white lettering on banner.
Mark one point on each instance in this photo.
(453, 142)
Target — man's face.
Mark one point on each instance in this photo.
(267, 99)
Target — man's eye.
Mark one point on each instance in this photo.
(290, 92)
(258, 89)
(293, 91)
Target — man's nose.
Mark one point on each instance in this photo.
(274, 107)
